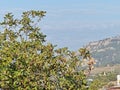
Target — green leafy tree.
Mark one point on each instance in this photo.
(28, 63)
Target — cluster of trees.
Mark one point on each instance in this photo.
(103, 80)
(27, 62)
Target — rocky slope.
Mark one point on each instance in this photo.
(106, 52)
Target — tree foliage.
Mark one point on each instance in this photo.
(28, 63)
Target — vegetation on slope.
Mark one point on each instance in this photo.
(106, 52)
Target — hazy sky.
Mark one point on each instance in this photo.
(72, 23)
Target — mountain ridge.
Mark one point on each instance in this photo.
(106, 51)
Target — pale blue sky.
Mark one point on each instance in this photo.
(72, 23)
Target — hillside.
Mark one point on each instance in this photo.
(114, 68)
(106, 52)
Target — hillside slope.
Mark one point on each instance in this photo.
(106, 52)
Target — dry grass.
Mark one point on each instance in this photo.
(98, 70)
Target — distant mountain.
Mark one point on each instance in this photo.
(106, 52)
